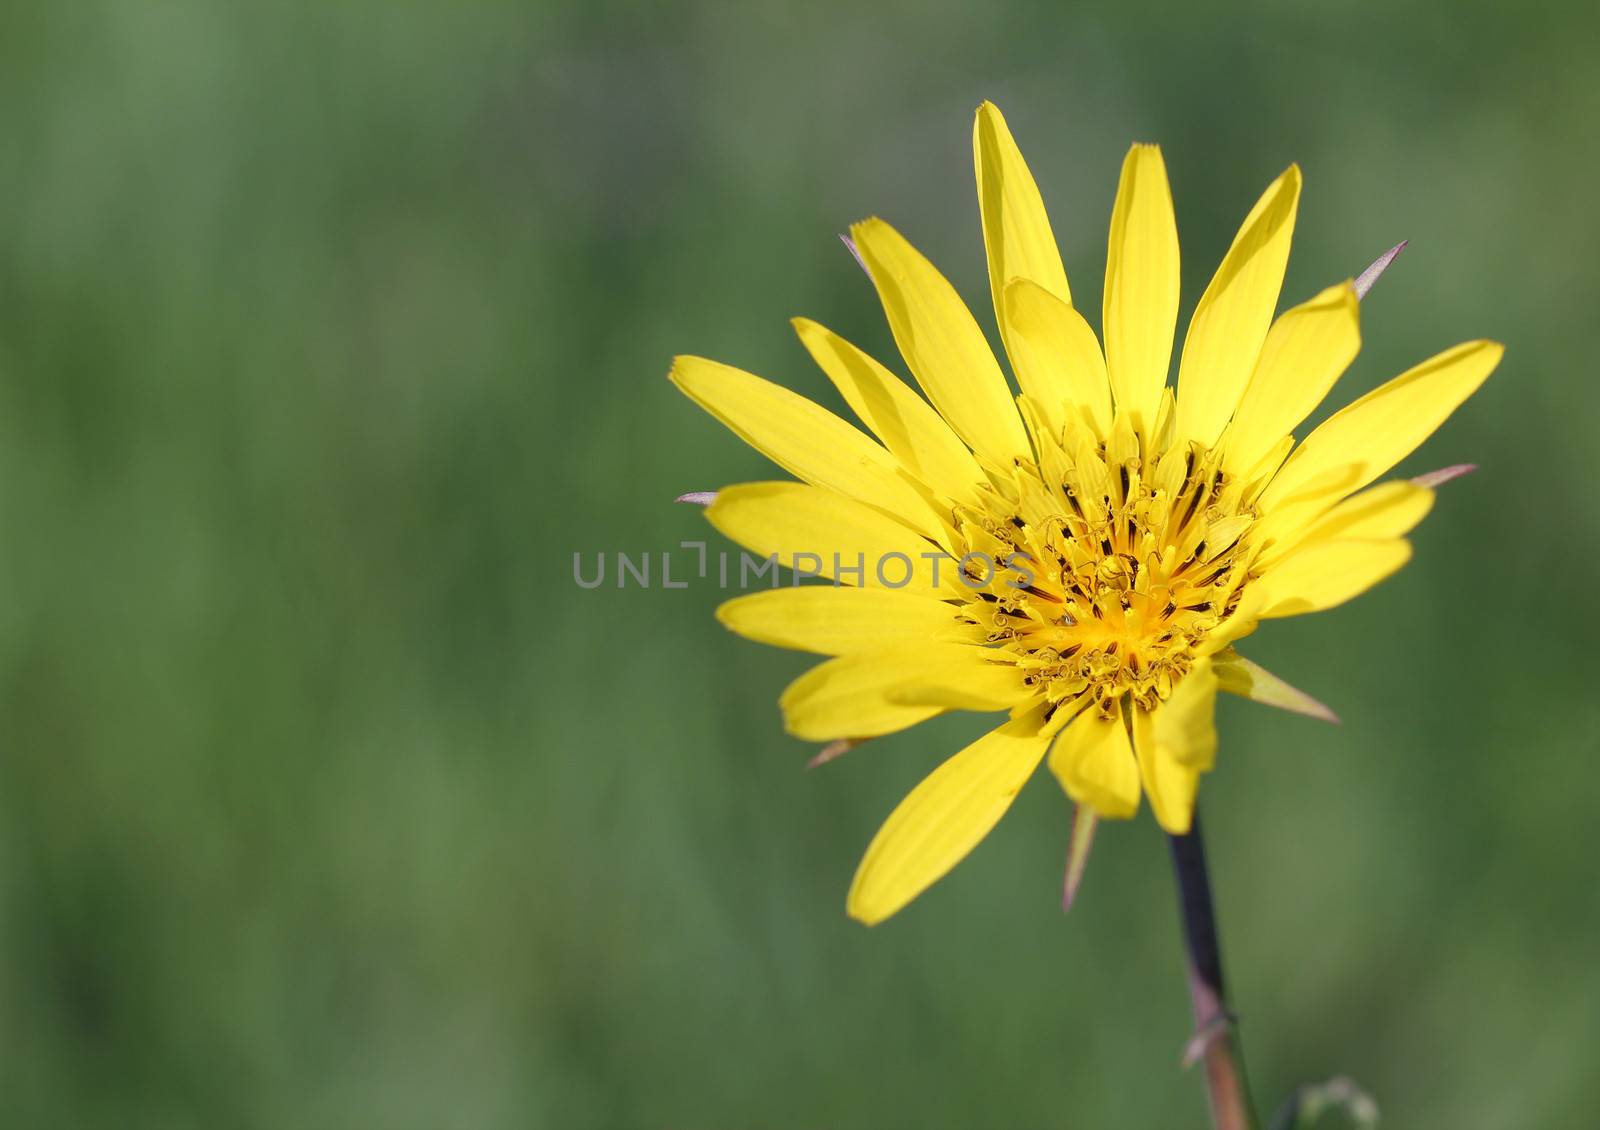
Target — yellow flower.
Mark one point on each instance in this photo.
(1084, 555)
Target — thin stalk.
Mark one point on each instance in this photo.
(1216, 1038)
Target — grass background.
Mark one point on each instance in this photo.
(329, 332)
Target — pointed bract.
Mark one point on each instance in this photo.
(1364, 281)
(1084, 820)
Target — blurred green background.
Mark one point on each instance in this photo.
(329, 332)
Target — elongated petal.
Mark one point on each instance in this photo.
(1305, 352)
(1184, 723)
(1238, 675)
(1141, 296)
(1170, 785)
(944, 818)
(1230, 322)
(1093, 760)
(993, 686)
(916, 435)
(850, 697)
(1388, 510)
(942, 344)
(1168, 782)
(1175, 743)
(1016, 230)
(1327, 573)
(833, 620)
(817, 532)
(1362, 441)
(803, 438)
(1056, 356)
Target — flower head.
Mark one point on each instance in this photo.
(1085, 555)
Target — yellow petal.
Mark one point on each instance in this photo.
(1057, 357)
(833, 620)
(1361, 442)
(942, 344)
(1389, 510)
(847, 697)
(1246, 618)
(992, 686)
(1238, 675)
(853, 696)
(916, 435)
(1016, 230)
(1176, 743)
(1184, 723)
(1230, 322)
(944, 818)
(1141, 296)
(1093, 760)
(1170, 783)
(1305, 352)
(803, 438)
(1327, 573)
(820, 533)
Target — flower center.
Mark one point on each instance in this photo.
(1125, 554)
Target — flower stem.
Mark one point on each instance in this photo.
(1216, 1035)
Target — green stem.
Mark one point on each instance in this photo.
(1216, 1037)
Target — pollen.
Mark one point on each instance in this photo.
(1124, 552)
